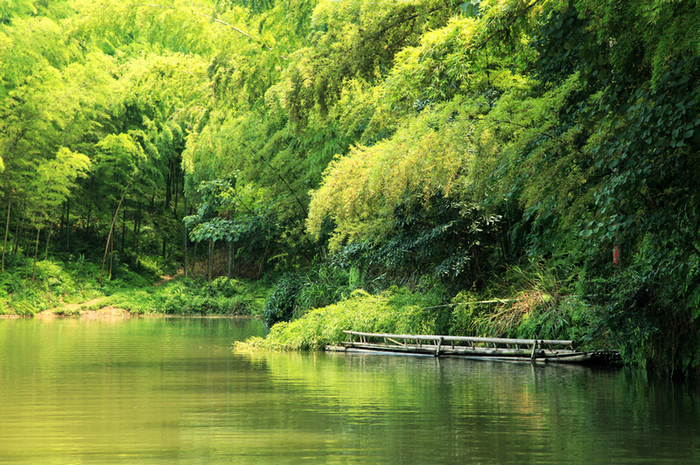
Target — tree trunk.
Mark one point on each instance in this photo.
(26, 261)
(123, 230)
(68, 226)
(211, 248)
(48, 239)
(90, 193)
(184, 247)
(230, 258)
(110, 238)
(62, 225)
(168, 183)
(36, 253)
(194, 260)
(18, 235)
(111, 255)
(7, 232)
(137, 227)
(177, 192)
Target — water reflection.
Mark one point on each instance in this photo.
(172, 391)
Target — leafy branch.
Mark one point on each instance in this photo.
(504, 27)
(215, 19)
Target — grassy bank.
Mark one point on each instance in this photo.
(69, 288)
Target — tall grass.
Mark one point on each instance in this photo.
(531, 303)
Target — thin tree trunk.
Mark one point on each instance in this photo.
(90, 193)
(110, 238)
(264, 256)
(68, 225)
(230, 258)
(7, 232)
(26, 260)
(211, 248)
(184, 248)
(18, 236)
(62, 225)
(168, 183)
(177, 192)
(137, 227)
(111, 256)
(48, 239)
(194, 259)
(123, 229)
(36, 253)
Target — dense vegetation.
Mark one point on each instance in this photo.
(466, 167)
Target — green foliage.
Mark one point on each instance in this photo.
(361, 190)
(53, 285)
(185, 297)
(411, 139)
(60, 285)
(539, 306)
(456, 243)
(651, 308)
(281, 304)
(395, 310)
(327, 285)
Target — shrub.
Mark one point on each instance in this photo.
(394, 310)
(222, 287)
(283, 300)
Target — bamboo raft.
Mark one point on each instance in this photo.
(491, 348)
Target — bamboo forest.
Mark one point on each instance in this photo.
(500, 168)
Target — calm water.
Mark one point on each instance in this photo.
(171, 391)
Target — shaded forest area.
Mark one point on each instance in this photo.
(499, 167)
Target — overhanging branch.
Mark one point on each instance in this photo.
(240, 31)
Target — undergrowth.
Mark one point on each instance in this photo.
(397, 310)
(61, 286)
(529, 302)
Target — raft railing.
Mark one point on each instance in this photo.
(462, 345)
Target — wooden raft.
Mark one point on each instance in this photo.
(492, 348)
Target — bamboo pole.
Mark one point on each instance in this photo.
(7, 230)
(472, 339)
(36, 253)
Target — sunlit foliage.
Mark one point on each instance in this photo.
(396, 140)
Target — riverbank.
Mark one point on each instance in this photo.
(75, 290)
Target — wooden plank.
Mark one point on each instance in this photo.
(486, 353)
(473, 339)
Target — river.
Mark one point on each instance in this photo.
(172, 391)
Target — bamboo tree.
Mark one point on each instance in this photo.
(36, 253)
(7, 231)
(209, 260)
(48, 240)
(109, 248)
(184, 240)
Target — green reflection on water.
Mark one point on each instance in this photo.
(172, 391)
